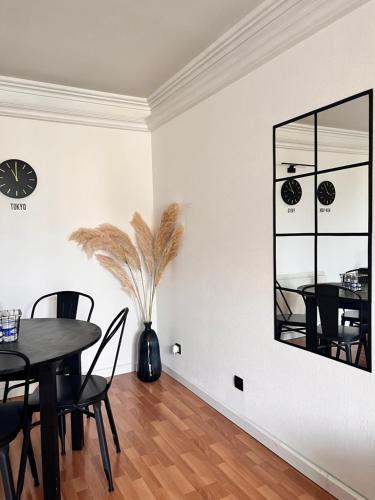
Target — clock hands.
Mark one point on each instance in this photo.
(15, 173)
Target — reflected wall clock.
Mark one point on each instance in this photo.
(326, 193)
(17, 178)
(291, 192)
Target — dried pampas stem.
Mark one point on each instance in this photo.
(166, 228)
(144, 239)
(129, 264)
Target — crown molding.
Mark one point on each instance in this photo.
(266, 32)
(270, 29)
(59, 103)
(330, 140)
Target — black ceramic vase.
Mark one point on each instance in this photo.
(149, 363)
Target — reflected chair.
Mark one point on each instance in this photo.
(286, 320)
(77, 393)
(66, 308)
(15, 417)
(329, 332)
(351, 316)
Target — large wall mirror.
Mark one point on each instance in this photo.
(322, 231)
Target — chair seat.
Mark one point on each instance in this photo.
(11, 420)
(346, 334)
(292, 319)
(67, 388)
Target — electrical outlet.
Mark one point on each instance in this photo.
(238, 383)
(176, 348)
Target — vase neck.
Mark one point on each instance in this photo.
(148, 325)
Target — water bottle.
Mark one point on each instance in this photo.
(9, 322)
(9, 328)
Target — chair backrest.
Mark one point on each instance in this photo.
(328, 302)
(289, 290)
(280, 289)
(362, 274)
(360, 270)
(117, 325)
(66, 304)
(9, 364)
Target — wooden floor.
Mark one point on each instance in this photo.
(174, 446)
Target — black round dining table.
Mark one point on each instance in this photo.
(45, 342)
(347, 299)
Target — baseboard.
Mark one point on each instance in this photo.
(120, 369)
(321, 477)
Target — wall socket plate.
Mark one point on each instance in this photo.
(176, 348)
(238, 383)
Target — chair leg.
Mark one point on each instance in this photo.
(62, 432)
(26, 452)
(112, 424)
(6, 473)
(348, 350)
(356, 362)
(338, 352)
(6, 391)
(103, 444)
(278, 332)
(34, 470)
(87, 408)
(365, 345)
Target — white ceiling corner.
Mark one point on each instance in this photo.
(268, 30)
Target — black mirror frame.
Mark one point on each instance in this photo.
(368, 234)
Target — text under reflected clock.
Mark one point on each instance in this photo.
(17, 178)
(326, 193)
(291, 192)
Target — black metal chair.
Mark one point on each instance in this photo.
(329, 331)
(287, 321)
(66, 304)
(351, 316)
(66, 308)
(15, 417)
(79, 393)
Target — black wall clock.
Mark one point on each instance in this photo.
(17, 178)
(291, 192)
(326, 193)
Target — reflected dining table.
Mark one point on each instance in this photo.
(347, 300)
(46, 342)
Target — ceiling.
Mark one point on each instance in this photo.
(128, 47)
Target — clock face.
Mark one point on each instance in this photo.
(17, 179)
(326, 193)
(291, 192)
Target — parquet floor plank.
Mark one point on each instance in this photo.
(174, 447)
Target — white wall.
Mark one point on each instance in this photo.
(86, 176)
(217, 298)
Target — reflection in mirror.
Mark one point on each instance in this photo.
(299, 217)
(343, 201)
(340, 254)
(322, 214)
(343, 262)
(295, 148)
(343, 134)
(295, 267)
